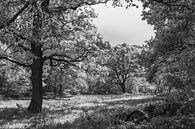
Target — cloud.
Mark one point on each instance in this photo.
(115, 34)
(119, 25)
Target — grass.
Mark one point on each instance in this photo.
(77, 112)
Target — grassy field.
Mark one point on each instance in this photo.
(71, 112)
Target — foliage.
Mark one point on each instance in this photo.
(11, 87)
(14, 81)
(141, 86)
(170, 54)
(5, 86)
(96, 74)
(59, 79)
(44, 32)
(105, 88)
(122, 64)
(172, 115)
(111, 69)
(177, 122)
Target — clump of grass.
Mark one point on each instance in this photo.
(114, 118)
(102, 118)
(40, 120)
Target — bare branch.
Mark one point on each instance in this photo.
(65, 22)
(74, 7)
(117, 74)
(62, 60)
(171, 4)
(57, 55)
(16, 62)
(24, 48)
(68, 59)
(81, 57)
(16, 35)
(15, 16)
(8, 47)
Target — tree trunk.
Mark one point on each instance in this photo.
(123, 87)
(37, 89)
(37, 64)
(60, 91)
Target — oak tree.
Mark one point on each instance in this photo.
(122, 62)
(35, 33)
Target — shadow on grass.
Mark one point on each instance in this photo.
(11, 114)
(100, 118)
(97, 115)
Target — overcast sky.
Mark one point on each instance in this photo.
(121, 25)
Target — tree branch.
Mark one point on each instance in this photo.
(44, 5)
(15, 16)
(16, 62)
(170, 4)
(24, 48)
(23, 38)
(18, 35)
(74, 7)
(68, 58)
(61, 60)
(117, 75)
(57, 55)
(65, 22)
(81, 57)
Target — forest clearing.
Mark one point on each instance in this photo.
(61, 68)
(63, 110)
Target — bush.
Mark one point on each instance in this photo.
(6, 88)
(175, 115)
(175, 122)
(13, 89)
(105, 88)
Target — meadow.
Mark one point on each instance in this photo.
(71, 111)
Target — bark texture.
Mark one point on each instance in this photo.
(37, 89)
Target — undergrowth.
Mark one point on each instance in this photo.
(163, 116)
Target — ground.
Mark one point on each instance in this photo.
(64, 110)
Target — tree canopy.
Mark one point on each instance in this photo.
(36, 33)
(171, 51)
(122, 62)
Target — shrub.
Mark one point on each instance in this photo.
(6, 89)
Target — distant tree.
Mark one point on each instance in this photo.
(96, 73)
(122, 63)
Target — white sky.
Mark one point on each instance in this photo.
(120, 25)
